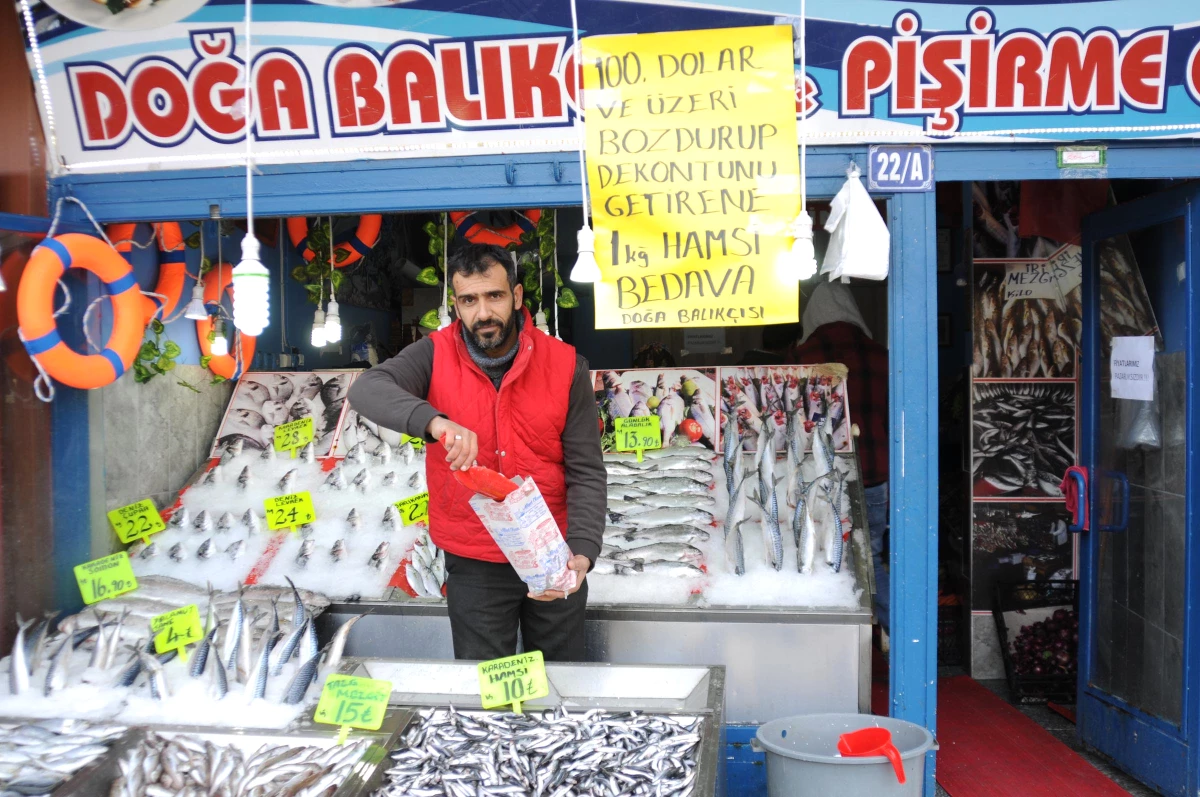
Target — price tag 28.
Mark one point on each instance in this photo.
(417, 443)
(136, 521)
(414, 509)
(176, 629)
(513, 679)
(289, 511)
(293, 435)
(638, 434)
(105, 578)
(353, 702)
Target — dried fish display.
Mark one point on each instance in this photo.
(1124, 304)
(1024, 437)
(1022, 338)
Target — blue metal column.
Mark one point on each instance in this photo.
(912, 312)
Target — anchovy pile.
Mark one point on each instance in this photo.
(189, 766)
(553, 754)
(38, 757)
(1024, 437)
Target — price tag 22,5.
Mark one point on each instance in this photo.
(513, 679)
(176, 629)
(414, 509)
(289, 511)
(105, 578)
(638, 434)
(293, 435)
(136, 521)
(353, 702)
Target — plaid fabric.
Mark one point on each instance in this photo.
(868, 388)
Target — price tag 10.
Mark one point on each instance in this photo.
(136, 521)
(513, 679)
(289, 511)
(177, 628)
(353, 702)
(638, 434)
(417, 443)
(414, 509)
(105, 578)
(293, 435)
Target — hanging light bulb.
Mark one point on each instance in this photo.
(443, 317)
(220, 346)
(586, 269)
(318, 331)
(803, 255)
(539, 321)
(251, 290)
(333, 324)
(195, 308)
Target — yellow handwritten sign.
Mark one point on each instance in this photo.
(136, 521)
(105, 578)
(289, 511)
(638, 434)
(417, 443)
(176, 628)
(694, 176)
(414, 509)
(353, 702)
(293, 434)
(513, 679)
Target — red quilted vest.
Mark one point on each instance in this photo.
(519, 427)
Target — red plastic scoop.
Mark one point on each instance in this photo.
(872, 742)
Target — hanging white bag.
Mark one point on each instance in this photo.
(859, 241)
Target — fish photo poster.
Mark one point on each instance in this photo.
(770, 394)
(1023, 438)
(357, 429)
(1018, 541)
(263, 400)
(683, 399)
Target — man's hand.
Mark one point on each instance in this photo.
(580, 564)
(462, 446)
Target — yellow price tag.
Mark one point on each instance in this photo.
(638, 434)
(414, 509)
(353, 702)
(105, 578)
(136, 521)
(513, 679)
(417, 443)
(177, 628)
(293, 435)
(289, 511)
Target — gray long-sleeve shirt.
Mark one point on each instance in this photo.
(392, 394)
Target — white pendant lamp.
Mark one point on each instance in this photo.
(586, 269)
(251, 280)
(318, 339)
(333, 324)
(443, 317)
(195, 308)
(220, 346)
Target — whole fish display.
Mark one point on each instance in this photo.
(38, 757)
(426, 568)
(767, 499)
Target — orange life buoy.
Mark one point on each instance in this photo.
(172, 272)
(468, 226)
(365, 237)
(226, 365)
(35, 310)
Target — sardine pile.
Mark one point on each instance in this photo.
(1024, 436)
(426, 568)
(554, 753)
(186, 766)
(38, 757)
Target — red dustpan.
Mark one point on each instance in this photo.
(872, 742)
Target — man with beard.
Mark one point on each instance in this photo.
(492, 390)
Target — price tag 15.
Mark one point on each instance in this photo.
(105, 578)
(417, 443)
(414, 509)
(289, 511)
(136, 521)
(353, 702)
(638, 434)
(177, 628)
(293, 435)
(513, 679)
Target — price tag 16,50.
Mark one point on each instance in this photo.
(513, 679)
(417, 443)
(136, 521)
(638, 434)
(414, 509)
(293, 435)
(105, 578)
(176, 629)
(353, 702)
(289, 511)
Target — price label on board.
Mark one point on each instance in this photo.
(293, 434)
(105, 578)
(513, 679)
(289, 511)
(353, 702)
(638, 434)
(417, 443)
(414, 509)
(136, 521)
(176, 628)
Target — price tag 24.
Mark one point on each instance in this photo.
(638, 434)
(177, 628)
(105, 578)
(414, 509)
(293, 435)
(513, 679)
(353, 702)
(136, 521)
(417, 443)
(289, 511)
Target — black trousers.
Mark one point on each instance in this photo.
(487, 604)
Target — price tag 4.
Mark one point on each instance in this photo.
(353, 702)
(414, 509)
(105, 578)
(136, 521)
(294, 435)
(176, 629)
(289, 511)
(638, 434)
(513, 679)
